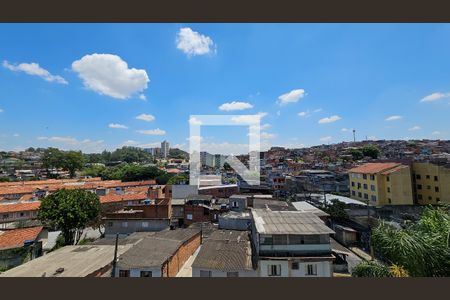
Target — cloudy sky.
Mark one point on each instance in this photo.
(102, 86)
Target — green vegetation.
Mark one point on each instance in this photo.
(336, 210)
(71, 161)
(420, 250)
(69, 211)
(124, 154)
(179, 179)
(357, 154)
(371, 151)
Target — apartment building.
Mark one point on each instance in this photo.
(291, 244)
(382, 184)
(431, 183)
(165, 148)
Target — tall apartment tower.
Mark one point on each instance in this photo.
(165, 149)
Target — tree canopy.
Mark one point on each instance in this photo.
(69, 211)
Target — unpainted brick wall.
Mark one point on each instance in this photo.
(177, 261)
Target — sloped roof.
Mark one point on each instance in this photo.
(373, 168)
(16, 238)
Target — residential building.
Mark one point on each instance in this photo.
(431, 183)
(165, 148)
(219, 191)
(291, 244)
(382, 184)
(225, 253)
(201, 208)
(159, 254)
(233, 220)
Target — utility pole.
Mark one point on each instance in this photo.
(113, 271)
(354, 136)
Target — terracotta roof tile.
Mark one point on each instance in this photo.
(16, 207)
(373, 168)
(15, 238)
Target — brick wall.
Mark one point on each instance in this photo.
(177, 261)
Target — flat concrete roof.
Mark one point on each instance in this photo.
(77, 261)
(288, 222)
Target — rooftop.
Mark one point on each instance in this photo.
(373, 168)
(306, 207)
(155, 248)
(16, 238)
(225, 250)
(73, 261)
(288, 222)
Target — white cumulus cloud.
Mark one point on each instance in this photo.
(193, 43)
(108, 74)
(156, 131)
(435, 97)
(414, 128)
(145, 117)
(235, 105)
(71, 143)
(246, 119)
(393, 118)
(291, 97)
(35, 70)
(117, 126)
(331, 119)
(265, 135)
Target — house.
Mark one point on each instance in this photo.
(219, 191)
(306, 207)
(20, 211)
(291, 244)
(238, 202)
(70, 261)
(20, 245)
(201, 208)
(153, 216)
(226, 253)
(159, 254)
(235, 220)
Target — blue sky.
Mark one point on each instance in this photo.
(101, 86)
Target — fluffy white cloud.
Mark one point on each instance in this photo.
(436, 133)
(265, 135)
(145, 117)
(326, 139)
(291, 97)
(246, 119)
(414, 128)
(435, 97)
(235, 105)
(193, 43)
(117, 126)
(303, 114)
(393, 118)
(331, 119)
(71, 143)
(156, 131)
(108, 74)
(345, 129)
(35, 70)
(128, 143)
(194, 121)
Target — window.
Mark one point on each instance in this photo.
(388, 189)
(388, 178)
(5, 216)
(280, 239)
(295, 266)
(365, 186)
(124, 273)
(359, 185)
(146, 274)
(419, 186)
(372, 177)
(311, 270)
(204, 273)
(124, 224)
(21, 214)
(359, 194)
(373, 198)
(437, 199)
(353, 183)
(436, 189)
(435, 178)
(428, 176)
(389, 200)
(419, 196)
(144, 224)
(110, 224)
(189, 216)
(428, 187)
(266, 240)
(366, 196)
(274, 270)
(418, 176)
(372, 187)
(353, 193)
(430, 198)
(295, 239)
(364, 176)
(232, 274)
(235, 204)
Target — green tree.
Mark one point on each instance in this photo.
(163, 178)
(356, 154)
(421, 249)
(72, 161)
(336, 210)
(52, 158)
(179, 179)
(371, 269)
(69, 211)
(371, 151)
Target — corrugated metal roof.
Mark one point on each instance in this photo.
(288, 222)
